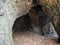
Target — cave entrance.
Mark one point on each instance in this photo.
(21, 24)
(28, 25)
(33, 18)
(21, 27)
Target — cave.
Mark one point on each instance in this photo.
(34, 17)
(29, 25)
(16, 27)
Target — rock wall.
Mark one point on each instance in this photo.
(52, 9)
(10, 10)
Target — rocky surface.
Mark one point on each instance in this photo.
(52, 9)
(29, 38)
(10, 10)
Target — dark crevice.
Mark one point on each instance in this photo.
(23, 24)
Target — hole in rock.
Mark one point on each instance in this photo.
(29, 25)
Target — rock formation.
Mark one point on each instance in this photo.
(10, 10)
(52, 9)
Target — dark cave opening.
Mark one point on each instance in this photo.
(35, 17)
(33, 21)
(21, 24)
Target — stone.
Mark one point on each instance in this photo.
(52, 9)
(12, 10)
